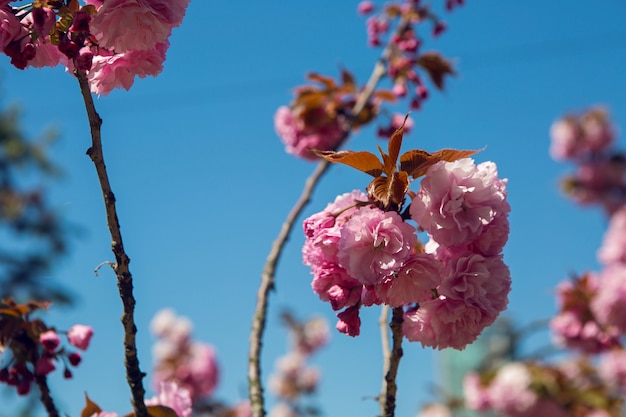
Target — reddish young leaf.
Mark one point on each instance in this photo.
(156, 411)
(436, 67)
(363, 161)
(385, 95)
(347, 80)
(328, 82)
(90, 408)
(389, 190)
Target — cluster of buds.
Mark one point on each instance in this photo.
(293, 379)
(587, 140)
(363, 251)
(33, 346)
(112, 41)
(190, 364)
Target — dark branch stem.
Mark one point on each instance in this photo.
(134, 375)
(45, 396)
(269, 271)
(388, 395)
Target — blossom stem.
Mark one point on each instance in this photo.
(388, 395)
(384, 339)
(268, 275)
(134, 376)
(45, 396)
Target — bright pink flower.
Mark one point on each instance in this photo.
(44, 366)
(125, 25)
(80, 336)
(120, 70)
(374, 244)
(415, 282)
(322, 132)
(609, 303)
(443, 323)
(477, 281)
(333, 284)
(458, 200)
(613, 248)
(10, 28)
(349, 321)
(173, 396)
(50, 340)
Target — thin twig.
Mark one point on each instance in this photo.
(134, 375)
(268, 276)
(384, 340)
(45, 396)
(388, 394)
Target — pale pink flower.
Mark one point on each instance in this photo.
(322, 132)
(413, 283)
(166, 324)
(435, 410)
(613, 247)
(597, 129)
(314, 335)
(80, 336)
(48, 55)
(50, 340)
(125, 25)
(476, 395)
(10, 28)
(282, 410)
(458, 200)
(105, 414)
(171, 395)
(366, 7)
(510, 392)
(204, 372)
(612, 368)
(120, 70)
(570, 331)
(374, 244)
(566, 137)
(609, 304)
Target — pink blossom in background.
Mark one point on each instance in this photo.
(172, 396)
(394, 124)
(167, 325)
(80, 336)
(366, 7)
(566, 136)
(282, 410)
(509, 391)
(120, 70)
(612, 369)
(609, 304)
(314, 335)
(458, 200)
(435, 410)
(476, 395)
(597, 129)
(569, 330)
(324, 133)
(125, 25)
(413, 283)
(613, 249)
(374, 244)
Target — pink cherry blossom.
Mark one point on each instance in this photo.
(322, 132)
(125, 25)
(476, 395)
(50, 340)
(171, 395)
(80, 336)
(613, 247)
(510, 392)
(349, 321)
(612, 368)
(566, 136)
(120, 70)
(413, 283)
(166, 324)
(374, 244)
(44, 366)
(10, 28)
(609, 303)
(458, 200)
(366, 7)
(333, 284)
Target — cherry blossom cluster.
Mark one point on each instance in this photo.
(170, 395)
(33, 348)
(190, 364)
(518, 389)
(587, 140)
(451, 288)
(113, 41)
(398, 21)
(293, 380)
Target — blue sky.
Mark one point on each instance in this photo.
(203, 183)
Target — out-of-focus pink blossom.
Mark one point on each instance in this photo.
(50, 340)
(509, 392)
(322, 132)
(80, 336)
(435, 410)
(575, 137)
(612, 368)
(314, 335)
(365, 7)
(613, 249)
(10, 28)
(609, 304)
(458, 200)
(566, 137)
(166, 324)
(120, 70)
(476, 395)
(125, 25)
(171, 395)
(415, 282)
(374, 244)
(396, 121)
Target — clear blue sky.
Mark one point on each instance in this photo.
(203, 183)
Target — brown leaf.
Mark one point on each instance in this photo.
(160, 411)
(328, 82)
(363, 161)
(389, 190)
(436, 67)
(385, 95)
(416, 162)
(90, 408)
(347, 80)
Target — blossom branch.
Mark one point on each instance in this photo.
(388, 395)
(45, 396)
(134, 375)
(269, 270)
(384, 339)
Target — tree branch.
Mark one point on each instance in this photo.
(388, 394)
(45, 396)
(134, 375)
